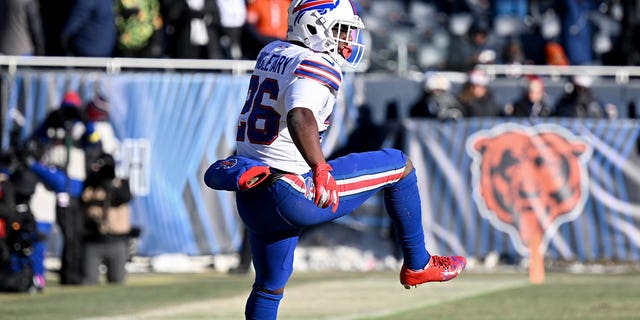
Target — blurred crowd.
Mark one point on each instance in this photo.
(72, 153)
(423, 34)
(456, 35)
(186, 29)
(476, 98)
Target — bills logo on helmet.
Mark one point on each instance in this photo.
(527, 181)
(322, 6)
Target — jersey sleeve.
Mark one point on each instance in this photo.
(320, 69)
(307, 93)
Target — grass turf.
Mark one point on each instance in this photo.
(338, 295)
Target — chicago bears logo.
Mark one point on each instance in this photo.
(529, 180)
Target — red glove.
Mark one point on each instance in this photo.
(326, 189)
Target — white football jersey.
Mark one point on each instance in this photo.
(286, 76)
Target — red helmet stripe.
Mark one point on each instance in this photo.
(311, 4)
(353, 7)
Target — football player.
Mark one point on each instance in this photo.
(291, 95)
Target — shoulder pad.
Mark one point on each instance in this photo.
(320, 69)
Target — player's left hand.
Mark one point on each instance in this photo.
(326, 189)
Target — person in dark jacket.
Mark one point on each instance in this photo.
(476, 97)
(105, 221)
(54, 15)
(578, 100)
(90, 30)
(436, 100)
(192, 29)
(532, 103)
(63, 129)
(105, 205)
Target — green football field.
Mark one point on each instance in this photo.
(340, 295)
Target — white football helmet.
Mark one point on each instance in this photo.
(331, 26)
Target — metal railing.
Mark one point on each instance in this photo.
(622, 74)
(115, 65)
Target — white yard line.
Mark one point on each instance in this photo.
(347, 299)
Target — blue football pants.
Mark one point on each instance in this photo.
(275, 215)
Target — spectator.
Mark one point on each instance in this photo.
(436, 100)
(21, 31)
(139, 26)
(64, 131)
(449, 7)
(18, 232)
(533, 44)
(97, 113)
(90, 30)
(533, 102)
(233, 15)
(54, 15)
(477, 47)
(580, 102)
(477, 98)
(104, 216)
(513, 52)
(67, 122)
(266, 22)
(631, 32)
(555, 54)
(576, 30)
(626, 50)
(24, 187)
(511, 8)
(191, 28)
(105, 200)
(70, 222)
(24, 182)
(15, 272)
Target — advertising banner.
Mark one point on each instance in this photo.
(566, 187)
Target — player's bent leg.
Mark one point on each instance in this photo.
(402, 201)
(403, 204)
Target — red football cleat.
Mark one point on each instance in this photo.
(438, 269)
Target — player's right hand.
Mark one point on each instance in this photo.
(326, 189)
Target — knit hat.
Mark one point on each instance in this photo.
(584, 81)
(535, 78)
(71, 99)
(436, 81)
(478, 77)
(98, 108)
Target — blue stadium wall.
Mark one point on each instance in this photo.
(189, 121)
